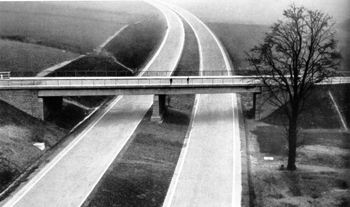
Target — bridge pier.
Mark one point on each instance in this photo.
(256, 112)
(159, 108)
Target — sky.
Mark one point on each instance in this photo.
(259, 11)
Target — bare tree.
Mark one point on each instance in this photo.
(296, 54)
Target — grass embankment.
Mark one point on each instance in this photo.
(141, 176)
(323, 161)
(137, 40)
(18, 132)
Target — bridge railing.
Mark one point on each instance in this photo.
(128, 81)
(144, 81)
(111, 73)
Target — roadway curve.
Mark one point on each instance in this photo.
(69, 178)
(209, 169)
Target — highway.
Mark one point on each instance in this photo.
(208, 172)
(69, 178)
(209, 169)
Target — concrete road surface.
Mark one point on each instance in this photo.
(209, 169)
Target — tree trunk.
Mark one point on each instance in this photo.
(292, 141)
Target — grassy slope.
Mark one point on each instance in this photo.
(18, 132)
(319, 112)
(130, 49)
(142, 175)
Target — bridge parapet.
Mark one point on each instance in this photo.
(126, 81)
(174, 81)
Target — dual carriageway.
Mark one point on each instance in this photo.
(208, 172)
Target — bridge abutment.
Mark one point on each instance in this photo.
(159, 108)
(29, 102)
(25, 100)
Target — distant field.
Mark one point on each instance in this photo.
(240, 38)
(60, 25)
(343, 37)
(78, 29)
(17, 56)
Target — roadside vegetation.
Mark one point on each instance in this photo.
(323, 157)
(18, 132)
(323, 152)
(323, 177)
(142, 174)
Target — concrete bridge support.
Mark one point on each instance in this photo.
(256, 111)
(159, 108)
(29, 102)
(25, 100)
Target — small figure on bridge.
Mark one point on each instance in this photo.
(188, 80)
(171, 81)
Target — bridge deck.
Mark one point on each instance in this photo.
(140, 82)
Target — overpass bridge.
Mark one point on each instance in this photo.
(46, 94)
(41, 95)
